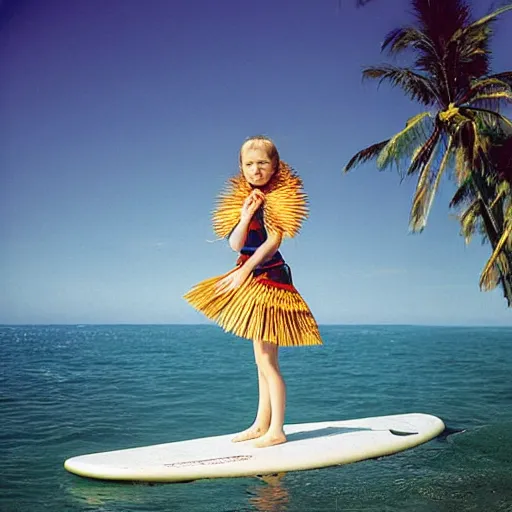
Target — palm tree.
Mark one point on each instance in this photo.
(451, 78)
(485, 201)
(500, 261)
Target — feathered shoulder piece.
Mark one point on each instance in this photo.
(284, 209)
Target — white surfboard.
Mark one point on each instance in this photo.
(308, 446)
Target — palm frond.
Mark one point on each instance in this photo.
(472, 147)
(500, 157)
(426, 179)
(423, 154)
(470, 45)
(365, 154)
(441, 19)
(490, 280)
(472, 41)
(461, 167)
(491, 98)
(469, 220)
(466, 59)
(463, 194)
(466, 135)
(403, 143)
(505, 76)
(416, 86)
(468, 52)
(423, 199)
(484, 86)
(502, 193)
(490, 118)
(477, 25)
(439, 175)
(485, 278)
(400, 39)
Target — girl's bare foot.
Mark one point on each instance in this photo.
(251, 433)
(270, 439)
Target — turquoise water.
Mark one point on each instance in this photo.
(70, 390)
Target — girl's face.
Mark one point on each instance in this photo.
(257, 167)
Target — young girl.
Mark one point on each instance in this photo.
(257, 299)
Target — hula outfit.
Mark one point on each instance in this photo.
(266, 306)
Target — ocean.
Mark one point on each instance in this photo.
(74, 389)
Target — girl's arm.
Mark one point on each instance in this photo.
(238, 235)
(264, 252)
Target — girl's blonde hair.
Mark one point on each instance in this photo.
(258, 141)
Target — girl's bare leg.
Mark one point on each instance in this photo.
(262, 421)
(267, 360)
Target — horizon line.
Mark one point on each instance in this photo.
(349, 324)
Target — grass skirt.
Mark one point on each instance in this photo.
(260, 309)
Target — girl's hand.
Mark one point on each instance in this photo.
(251, 204)
(232, 281)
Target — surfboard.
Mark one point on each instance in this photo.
(309, 446)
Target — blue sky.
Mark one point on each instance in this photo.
(121, 120)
